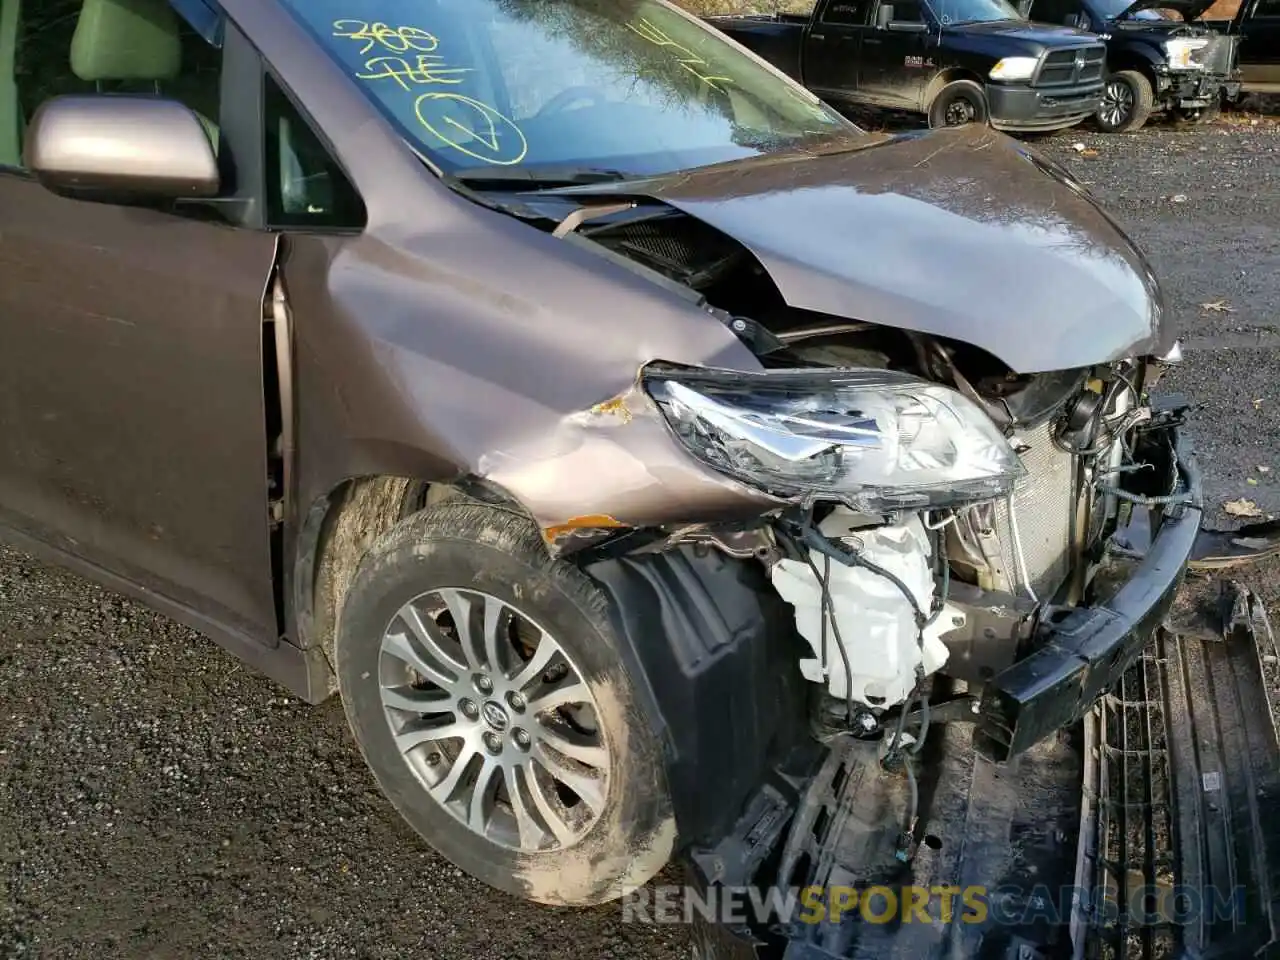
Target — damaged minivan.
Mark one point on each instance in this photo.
(608, 422)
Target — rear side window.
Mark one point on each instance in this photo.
(1267, 8)
(306, 187)
(846, 12)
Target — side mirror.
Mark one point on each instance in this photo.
(884, 16)
(121, 149)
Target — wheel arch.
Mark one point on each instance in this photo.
(340, 526)
(1134, 58)
(946, 77)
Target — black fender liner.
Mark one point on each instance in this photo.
(714, 652)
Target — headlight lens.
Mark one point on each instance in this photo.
(876, 440)
(1014, 68)
(1180, 53)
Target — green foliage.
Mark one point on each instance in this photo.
(707, 8)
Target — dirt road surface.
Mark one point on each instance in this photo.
(159, 800)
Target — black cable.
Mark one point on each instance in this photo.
(829, 609)
(946, 582)
(895, 744)
(924, 725)
(913, 809)
(814, 538)
(850, 558)
(824, 585)
(1144, 501)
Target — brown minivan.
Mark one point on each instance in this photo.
(614, 427)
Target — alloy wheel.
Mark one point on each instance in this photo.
(1117, 103)
(494, 719)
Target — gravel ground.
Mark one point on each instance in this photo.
(159, 800)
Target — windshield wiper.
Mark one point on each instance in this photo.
(535, 178)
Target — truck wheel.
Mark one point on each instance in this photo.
(485, 688)
(1127, 102)
(958, 103)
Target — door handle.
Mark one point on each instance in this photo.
(871, 40)
(817, 36)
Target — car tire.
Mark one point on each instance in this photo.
(1127, 102)
(958, 103)
(591, 823)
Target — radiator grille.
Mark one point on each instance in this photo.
(1072, 67)
(1043, 501)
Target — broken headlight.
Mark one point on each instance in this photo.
(877, 440)
(1182, 53)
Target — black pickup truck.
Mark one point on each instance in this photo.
(1160, 57)
(956, 61)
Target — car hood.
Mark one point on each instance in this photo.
(964, 233)
(1188, 9)
(1029, 31)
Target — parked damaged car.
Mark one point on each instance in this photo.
(602, 417)
(955, 61)
(1160, 57)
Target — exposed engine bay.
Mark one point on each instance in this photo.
(966, 536)
(886, 596)
(912, 618)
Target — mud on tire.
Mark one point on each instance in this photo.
(483, 552)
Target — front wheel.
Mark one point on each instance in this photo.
(958, 103)
(486, 690)
(1127, 102)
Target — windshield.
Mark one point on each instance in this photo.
(1111, 9)
(972, 11)
(632, 86)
